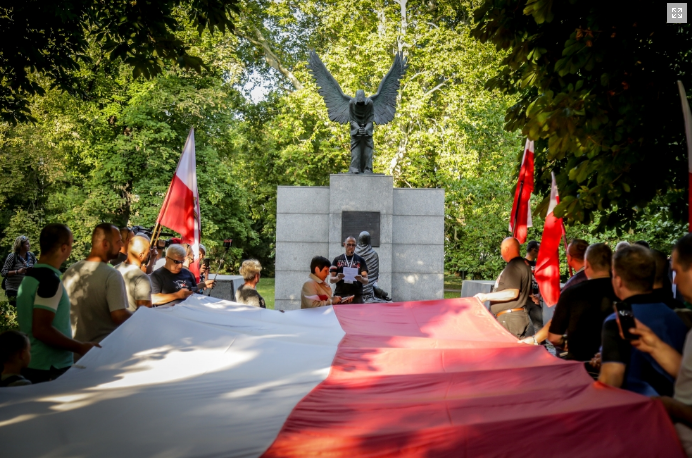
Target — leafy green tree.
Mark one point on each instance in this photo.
(52, 38)
(595, 83)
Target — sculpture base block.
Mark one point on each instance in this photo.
(411, 245)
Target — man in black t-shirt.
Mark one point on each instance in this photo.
(581, 310)
(172, 284)
(349, 260)
(512, 291)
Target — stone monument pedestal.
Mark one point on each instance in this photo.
(411, 234)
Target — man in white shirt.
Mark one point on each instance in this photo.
(137, 283)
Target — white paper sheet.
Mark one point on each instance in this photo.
(350, 274)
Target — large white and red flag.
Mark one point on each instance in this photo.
(180, 209)
(439, 378)
(688, 133)
(520, 219)
(547, 271)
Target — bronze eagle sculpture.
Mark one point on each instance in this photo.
(360, 111)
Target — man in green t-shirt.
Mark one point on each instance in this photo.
(43, 309)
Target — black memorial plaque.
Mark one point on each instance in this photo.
(353, 223)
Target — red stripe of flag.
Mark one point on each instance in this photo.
(547, 271)
(688, 133)
(520, 218)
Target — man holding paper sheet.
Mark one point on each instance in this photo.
(350, 272)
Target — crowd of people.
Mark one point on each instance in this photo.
(624, 314)
(61, 316)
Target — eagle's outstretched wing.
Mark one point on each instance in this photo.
(329, 89)
(384, 102)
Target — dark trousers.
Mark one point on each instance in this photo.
(536, 316)
(517, 323)
(12, 297)
(357, 300)
(39, 375)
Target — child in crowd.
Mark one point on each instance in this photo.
(15, 355)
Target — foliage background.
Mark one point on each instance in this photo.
(109, 152)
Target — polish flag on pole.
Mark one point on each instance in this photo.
(520, 219)
(180, 210)
(688, 133)
(547, 271)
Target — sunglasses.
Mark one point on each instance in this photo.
(175, 260)
(350, 244)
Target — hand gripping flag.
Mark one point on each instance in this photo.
(180, 210)
(688, 133)
(547, 271)
(520, 219)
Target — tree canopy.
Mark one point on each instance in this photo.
(595, 84)
(106, 151)
(51, 39)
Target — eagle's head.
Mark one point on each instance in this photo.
(360, 97)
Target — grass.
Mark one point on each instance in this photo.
(452, 286)
(265, 288)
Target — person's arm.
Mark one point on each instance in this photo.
(679, 412)
(560, 321)
(120, 316)
(159, 298)
(153, 257)
(9, 262)
(665, 355)
(42, 328)
(508, 286)
(142, 291)
(612, 374)
(333, 276)
(310, 297)
(500, 296)
(116, 297)
(615, 355)
(363, 277)
(539, 337)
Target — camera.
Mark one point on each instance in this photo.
(161, 243)
(227, 243)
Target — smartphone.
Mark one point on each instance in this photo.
(206, 262)
(625, 319)
(348, 298)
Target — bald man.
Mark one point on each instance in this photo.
(96, 290)
(511, 294)
(137, 283)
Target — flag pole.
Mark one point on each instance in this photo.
(564, 239)
(516, 213)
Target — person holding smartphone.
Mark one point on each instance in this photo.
(624, 366)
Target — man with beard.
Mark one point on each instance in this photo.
(96, 290)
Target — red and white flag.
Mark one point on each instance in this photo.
(435, 378)
(520, 219)
(547, 271)
(688, 133)
(180, 210)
